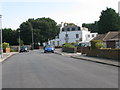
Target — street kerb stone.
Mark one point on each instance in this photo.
(0, 76)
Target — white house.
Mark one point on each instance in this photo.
(71, 34)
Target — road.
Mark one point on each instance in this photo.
(38, 70)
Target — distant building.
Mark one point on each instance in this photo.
(72, 33)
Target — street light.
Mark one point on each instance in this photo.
(32, 39)
(19, 41)
(1, 49)
(32, 36)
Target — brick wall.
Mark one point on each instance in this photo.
(105, 53)
(69, 50)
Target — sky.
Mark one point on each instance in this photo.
(15, 12)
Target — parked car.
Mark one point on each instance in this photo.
(24, 49)
(49, 48)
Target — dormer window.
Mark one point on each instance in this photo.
(73, 29)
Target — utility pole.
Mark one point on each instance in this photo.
(32, 39)
(19, 41)
(1, 49)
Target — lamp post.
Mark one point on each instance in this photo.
(32, 39)
(19, 41)
(1, 49)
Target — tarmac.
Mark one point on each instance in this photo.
(73, 55)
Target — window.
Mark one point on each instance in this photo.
(73, 29)
(117, 44)
(78, 28)
(77, 35)
(92, 35)
(63, 29)
(68, 29)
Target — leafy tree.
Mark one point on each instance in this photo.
(44, 29)
(93, 27)
(10, 36)
(109, 21)
(71, 24)
(26, 32)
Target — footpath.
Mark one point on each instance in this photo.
(7, 55)
(87, 58)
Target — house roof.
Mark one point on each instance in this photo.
(117, 37)
(110, 36)
(99, 37)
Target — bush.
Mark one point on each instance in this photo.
(99, 45)
(74, 44)
(13, 50)
(110, 48)
(96, 44)
(68, 45)
(5, 45)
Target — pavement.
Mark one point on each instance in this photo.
(7, 55)
(88, 58)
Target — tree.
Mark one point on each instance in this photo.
(26, 32)
(10, 36)
(109, 21)
(44, 29)
(93, 27)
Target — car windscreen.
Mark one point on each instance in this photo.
(49, 46)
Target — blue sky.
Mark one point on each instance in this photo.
(74, 11)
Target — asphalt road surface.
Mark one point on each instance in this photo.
(38, 70)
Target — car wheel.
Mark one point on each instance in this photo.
(52, 51)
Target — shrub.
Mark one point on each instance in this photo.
(99, 45)
(74, 44)
(110, 48)
(5, 45)
(12, 50)
(96, 44)
(68, 45)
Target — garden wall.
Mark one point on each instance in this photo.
(105, 53)
(69, 50)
